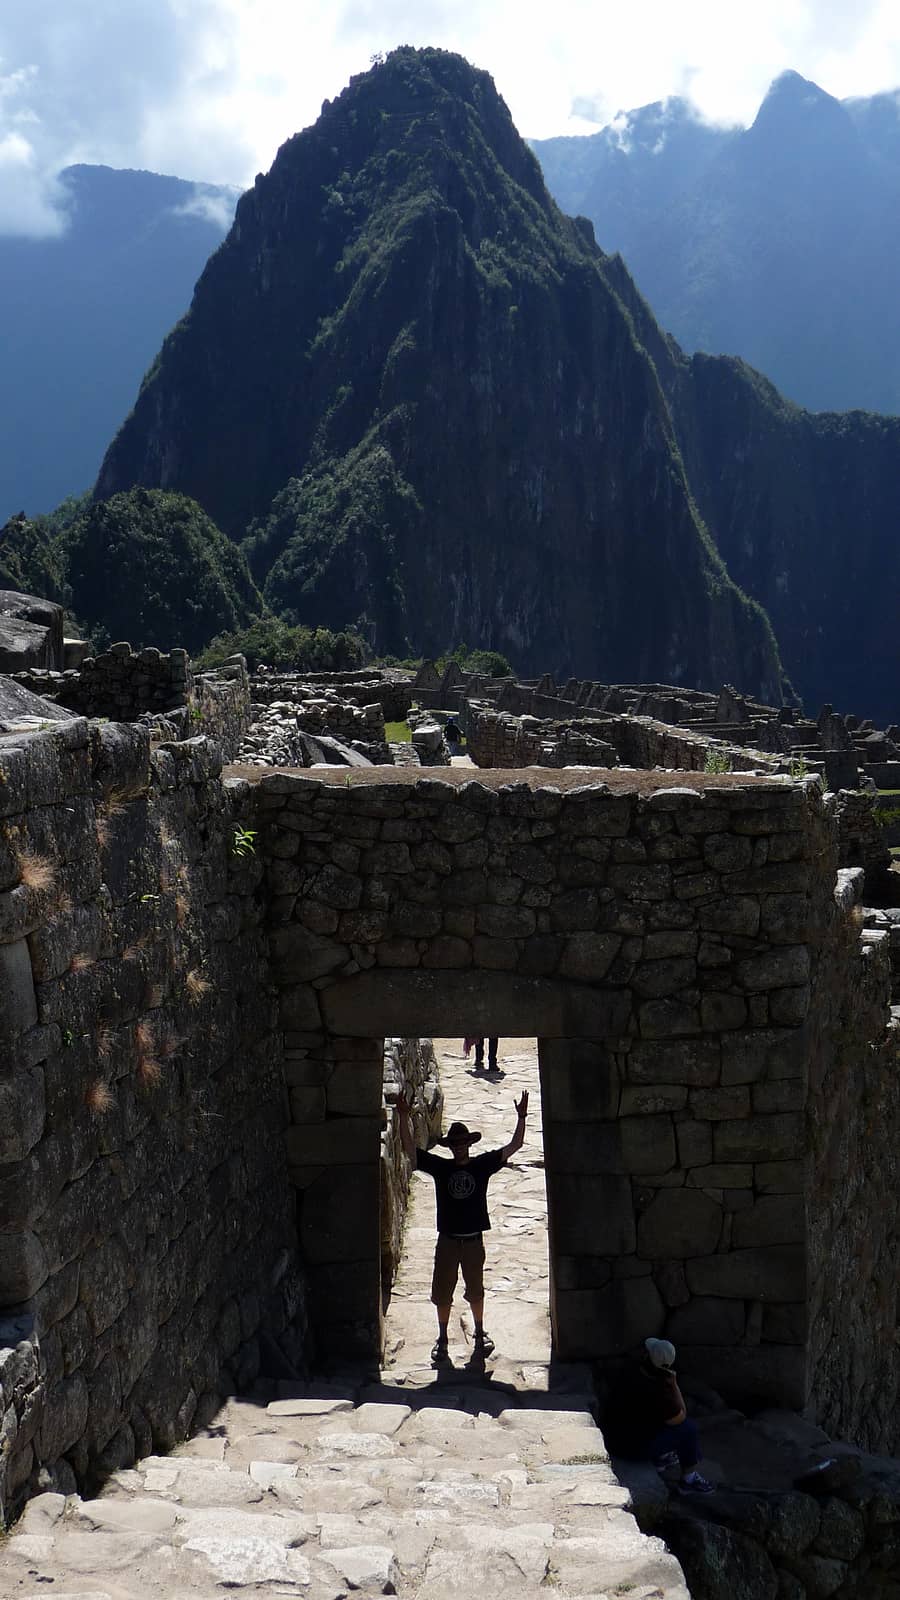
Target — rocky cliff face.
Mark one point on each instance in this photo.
(412, 379)
(804, 507)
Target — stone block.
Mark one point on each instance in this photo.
(22, 1113)
(397, 953)
(581, 1272)
(647, 1143)
(645, 1099)
(785, 1324)
(658, 946)
(721, 1176)
(581, 1146)
(339, 1214)
(592, 1323)
(677, 1224)
(588, 956)
(299, 1008)
(300, 954)
(706, 1320)
(103, 1286)
(665, 1019)
(671, 1282)
(308, 1104)
(779, 1177)
(738, 914)
(575, 911)
(574, 1091)
(750, 1375)
(650, 882)
(785, 1094)
(775, 969)
(23, 1267)
(448, 951)
(64, 1418)
(777, 1272)
(654, 979)
(497, 955)
(694, 1143)
(789, 1007)
(18, 1011)
(774, 1219)
(354, 1089)
(591, 1214)
(339, 1141)
(785, 918)
(726, 852)
(718, 1105)
(694, 1062)
(720, 1012)
(780, 1137)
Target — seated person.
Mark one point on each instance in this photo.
(646, 1418)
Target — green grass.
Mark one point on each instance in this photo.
(397, 732)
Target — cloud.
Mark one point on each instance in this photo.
(212, 205)
(208, 89)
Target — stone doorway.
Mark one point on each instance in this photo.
(516, 1268)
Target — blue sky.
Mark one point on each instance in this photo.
(208, 89)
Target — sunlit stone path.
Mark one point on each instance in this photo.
(426, 1485)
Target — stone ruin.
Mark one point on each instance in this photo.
(213, 979)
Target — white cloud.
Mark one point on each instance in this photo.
(208, 89)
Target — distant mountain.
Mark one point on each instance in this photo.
(83, 314)
(777, 243)
(409, 376)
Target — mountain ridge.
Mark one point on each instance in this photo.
(453, 431)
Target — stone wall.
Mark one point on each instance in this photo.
(127, 686)
(497, 738)
(410, 1067)
(394, 695)
(148, 1247)
(120, 684)
(835, 1534)
(660, 944)
(852, 1187)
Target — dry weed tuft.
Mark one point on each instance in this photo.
(63, 905)
(169, 1044)
(132, 951)
(102, 831)
(153, 996)
(149, 1071)
(182, 909)
(144, 1038)
(104, 1040)
(98, 1097)
(36, 872)
(81, 961)
(197, 985)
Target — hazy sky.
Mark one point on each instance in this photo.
(208, 89)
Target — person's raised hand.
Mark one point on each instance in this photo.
(522, 1105)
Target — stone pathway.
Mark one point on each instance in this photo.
(429, 1486)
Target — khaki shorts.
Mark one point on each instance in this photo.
(449, 1256)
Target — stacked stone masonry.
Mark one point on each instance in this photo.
(148, 1248)
(661, 946)
(195, 1142)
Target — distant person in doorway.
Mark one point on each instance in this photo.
(479, 1053)
(462, 1217)
(646, 1418)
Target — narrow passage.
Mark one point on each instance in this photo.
(516, 1269)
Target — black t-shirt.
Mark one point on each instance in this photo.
(640, 1404)
(461, 1189)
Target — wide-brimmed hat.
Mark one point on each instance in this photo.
(458, 1133)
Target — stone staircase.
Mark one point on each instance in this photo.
(327, 1491)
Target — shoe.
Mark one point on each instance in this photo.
(484, 1344)
(666, 1461)
(440, 1352)
(695, 1483)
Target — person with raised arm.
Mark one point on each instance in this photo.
(462, 1216)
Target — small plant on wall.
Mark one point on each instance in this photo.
(98, 1098)
(243, 842)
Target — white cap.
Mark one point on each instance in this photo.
(660, 1352)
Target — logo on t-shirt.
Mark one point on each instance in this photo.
(460, 1185)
